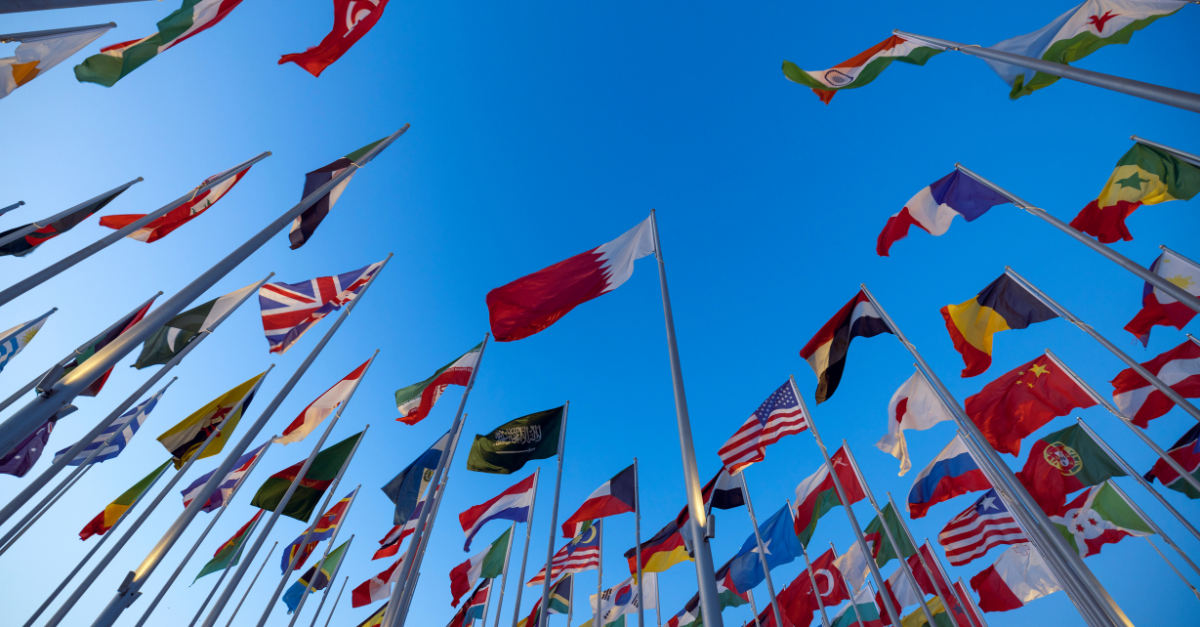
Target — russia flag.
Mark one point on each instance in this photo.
(952, 473)
(934, 207)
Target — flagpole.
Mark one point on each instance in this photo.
(1172, 567)
(929, 572)
(33, 226)
(813, 579)
(598, 620)
(571, 605)
(328, 547)
(657, 605)
(945, 576)
(43, 507)
(525, 557)
(1186, 156)
(637, 545)
(504, 571)
(329, 587)
(753, 608)
(4, 210)
(853, 592)
(762, 553)
(335, 603)
(487, 598)
(252, 582)
(562, 439)
(317, 570)
(978, 613)
(237, 555)
(1153, 525)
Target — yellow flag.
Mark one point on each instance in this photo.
(185, 438)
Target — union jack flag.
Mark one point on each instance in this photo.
(290, 309)
(778, 416)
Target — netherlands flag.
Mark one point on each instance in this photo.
(512, 504)
(934, 207)
(952, 473)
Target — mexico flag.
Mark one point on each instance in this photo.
(417, 400)
(859, 69)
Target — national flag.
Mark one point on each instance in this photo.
(416, 401)
(57, 225)
(1019, 576)
(780, 546)
(532, 303)
(514, 504)
(18, 461)
(936, 206)
(616, 496)
(472, 610)
(513, 444)
(663, 550)
(690, 615)
(778, 416)
(580, 554)
(1023, 401)
(802, 603)
(723, 491)
(307, 222)
(163, 226)
(1186, 452)
(826, 352)
(326, 525)
(860, 69)
(320, 409)
(953, 472)
(623, 598)
(1142, 402)
(229, 552)
(854, 567)
(289, 310)
(378, 587)
(899, 591)
(14, 340)
(318, 478)
(220, 414)
(560, 596)
(115, 510)
(914, 406)
(224, 490)
(917, 617)
(1099, 516)
(85, 353)
(118, 60)
(314, 580)
(179, 331)
(405, 488)
(817, 494)
(1073, 36)
(36, 55)
(881, 547)
(488, 564)
(1144, 176)
(984, 525)
(351, 21)
(121, 431)
(860, 612)
(1064, 462)
(390, 544)
(376, 619)
(1160, 308)
(1004, 304)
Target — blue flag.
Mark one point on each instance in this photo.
(781, 544)
(405, 488)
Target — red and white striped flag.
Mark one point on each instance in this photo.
(379, 587)
(318, 410)
(778, 416)
(582, 553)
(981, 527)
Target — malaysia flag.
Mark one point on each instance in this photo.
(290, 309)
(978, 529)
(778, 416)
(580, 554)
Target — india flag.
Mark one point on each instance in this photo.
(860, 69)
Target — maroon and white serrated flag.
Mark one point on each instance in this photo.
(778, 416)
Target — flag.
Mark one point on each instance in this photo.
(472, 610)
(580, 554)
(113, 512)
(663, 550)
(416, 401)
(899, 591)
(780, 545)
(513, 504)
(313, 580)
(228, 553)
(935, 207)
(1186, 452)
(560, 596)
(224, 490)
(802, 603)
(306, 223)
(1064, 462)
(376, 619)
(690, 615)
(532, 303)
(320, 409)
(616, 496)
(1160, 308)
(220, 414)
(778, 416)
(914, 406)
(513, 444)
(49, 230)
(860, 69)
(1097, 517)
(488, 564)
(826, 352)
(1073, 36)
(36, 55)
(27, 452)
(1004, 304)
(326, 525)
(1144, 176)
(1023, 401)
(124, 428)
(953, 472)
(291, 309)
(379, 587)
(351, 21)
(984, 525)
(853, 566)
(405, 488)
(1019, 576)
(14, 340)
(861, 605)
(876, 537)
(917, 617)
(1142, 402)
(623, 598)
(817, 494)
(118, 60)
(163, 226)
(318, 478)
(179, 331)
(390, 544)
(723, 491)
(85, 353)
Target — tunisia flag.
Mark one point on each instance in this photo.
(351, 20)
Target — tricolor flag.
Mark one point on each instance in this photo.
(488, 564)
(228, 553)
(416, 401)
(221, 414)
(121, 431)
(953, 472)
(1142, 402)
(14, 340)
(376, 619)
(1097, 517)
(36, 55)
(1159, 308)
(307, 222)
(580, 554)
(320, 475)
(914, 406)
(817, 494)
(291, 309)
(513, 504)
(860, 69)
(179, 331)
(224, 490)
(1019, 576)
(113, 512)
(778, 416)
(326, 525)
(161, 227)
(318, 410)
(1144, 176)
(379, 587)
(85, 353)
(54, 226)
(860, 612)
(1186, 452)
(1004, 304)
(936, 206)
(826, 352)
(616, 496)
(351, 20)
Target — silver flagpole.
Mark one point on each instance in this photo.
(21, 6)
(408, 598)
(978, 613)
(1153, 525)
(38, 34)
(525, 556)
(512, 537)
(571, 605)
(945, 595)
(42, 508)
(597, 617)
(637, 546)
(813, 579)
(753, 608)
(962, 604)
(29, 228)
(698, 520)
(329, 587)
(1146, 91)
(562, 439)
(317, 570)
(251, 586)
(335, 604)
(657, 605)
(1186, 156)
(19, 202)
(846, 582)
(224, 571)
(487, 601)
(762, 553)
(1172, 567)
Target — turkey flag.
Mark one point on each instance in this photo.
(351, 20)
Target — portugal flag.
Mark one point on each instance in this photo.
(1064, 462)
(1144, 176)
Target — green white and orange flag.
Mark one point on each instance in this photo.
(113, 511)
(227, 554)
(859, 69)
(185, 438)
(37, 54)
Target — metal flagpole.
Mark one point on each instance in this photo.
(512, 537)
(945, 576)
(36, 513)
(945, 595)
(1153, 525)
(29, 228)
(853, 592)
(335, 604)
(562, 439)
(329, 587)
(38, 34)
(1186, 156)
(320, 563)
(762, 552)
(637, 546)
(978, 613)
(408, 598)
(487, 601)
(21, 6)
(657, 605)
(1172, 567)
(5, 210)
(813, 579)
(1138, 89)
(224, 571)
(571, 605)
(525, 556)
(753, 608)
(252, 582)
(597, 617)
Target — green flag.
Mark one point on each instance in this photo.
(227, 553)
(179, 331)
(508, 448)
(318, 478)
(1097, 517)
(877, 539)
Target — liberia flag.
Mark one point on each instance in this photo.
(1142, 402)
(616, 496)
(826, 352)
(979, 528)
(318, 410)
(935, 207)
(191, 209)
(512, 504)
(290, 309)
(778, 416)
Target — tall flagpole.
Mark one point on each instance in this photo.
(562, 439)
(762, 552)
(977, 613)
(962, 603)
(525, 556)
(753, 608)
(329, 587)
(813, 579)
(853, 592)
(29, 228)
(407, 596)
(37, 512)
(945, 595)
(237, 556)
(637, 546)
(1172, 567)
(571, 605)
(252, 582)
(320, 562)
(487, 600)
(657, 605)
(4, 210)
(512, 537)
(1149, 521)
(1186, 156)
(597, 617)
(335, 604)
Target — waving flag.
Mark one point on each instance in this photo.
(323, 530)
(935, 207)
(914, 406)
(314, 580)
(778, 416)
(826, 352)
(1186, 452)
(351, 21)
(37, 54)
(14, 340)
(817, 494)
(417, 400)
(1097, 517)
(1159, 308)
(390, 544)
(379, 587)
(318, 410)
(169, 340)
(780, 546)
(48, 230)
(124, 427)
(623, 598)
(860, 69)
(953, 472)
(113, 512)
(616, 496)
(486, 565)
(1144, 176)
(307, 222)
(291, 309)
(1064, 462)
(229, 552)
(472, 610)
(405, 488)
(85, 353)
(18, 461)
(224, 490)
(161, 227)
(826, 581)
(978, 529)
(221, 414)
(1019, 576)
(320, 475)
(1003, 305)
(513, 504)
(517, 442)
(580, 554)
(1142, 402)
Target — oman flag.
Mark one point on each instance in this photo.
(486, 565)
(817, 494)
(161, 227)
(318, 410)
(1064, 462)
(1142, 402)
(1097, 517)
(616, 496)
(417, 400)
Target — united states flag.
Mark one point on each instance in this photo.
(290, 309)
(778, 416)
(583, 553)
(224, 491)
(982, 526)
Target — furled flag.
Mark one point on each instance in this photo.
(18, 461)
(472, 610)
(379, 587)
(179, 331)
(308, 493)
(826, 581)
(901, 593)
(320, 409)
(616, 496)
(860, 612)
(532, 303)
(984, 525)
(514, 504)
(1159, 308)
(488, 564)
(817, 494)
(780, 545)
(881, 547)
(1023, 401)
(37, 54)
(161, 227)
(59, 224)
(376, 619)
(1073, 36)
(326, 525)
(221, 414)
(229, 552)
(580, 554)
(417, 400)
(623, 598)
(1004, 304)
(115, 510)
(121, 431)
(224, 490)
(1019, 576)
(778, 416)
(405, 489)
(314, 580)
(14, 340)
(953, 472)
(1144, 176)
(853, 565)
(118, 60)
(390, 544)
(826, 352)
(936, 206)
(690, 615)
(1142, 402)
(914, 406)
(860, 69)
(513, 444)
(291, 309)
(1186, 452)
(1097, 517)
(351, 21)
(85, 353)
(307, 222)
(1063, 462)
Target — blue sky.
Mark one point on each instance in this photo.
(540, 130)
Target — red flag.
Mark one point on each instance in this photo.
(157, 229)
(351, 21)
(1022, 401)
(800, 605)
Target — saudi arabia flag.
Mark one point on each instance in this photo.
(416, 400)
(179, 331)
(1097, 517)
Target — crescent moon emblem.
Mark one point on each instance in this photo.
(828, 577)
(585, 538)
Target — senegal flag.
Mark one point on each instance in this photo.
(228, 553)
(318, 478)
(1144, 176)
(179, 331)
(115, 510)
(1004, 304)
(222, 413)
(507, 449)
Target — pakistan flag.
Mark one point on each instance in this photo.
(179, 331)
(507, 449)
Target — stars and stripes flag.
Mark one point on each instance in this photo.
(778, 416)
(224, 491)
(124, 427)
(981, 527)
(290, 309)
(582, 553)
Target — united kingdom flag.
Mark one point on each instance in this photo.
(290, 309)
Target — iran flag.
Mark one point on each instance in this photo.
(318, 410)
(914, 406)
(1142, 402)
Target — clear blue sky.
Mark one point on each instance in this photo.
(543, 129)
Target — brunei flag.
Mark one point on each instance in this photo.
(1004, 304)
(220, 414)
(320, 475)
(1144, 176)
(115, 510)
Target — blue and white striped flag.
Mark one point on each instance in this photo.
(14, 340)
(125, 426)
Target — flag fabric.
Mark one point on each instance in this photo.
(308, 493)
(984, 525)
(1064, 462)
(876, 537)
(85, 353)
(860, 69)
(221, 414)
(27, 452)
(1019, 576)
(560, 596)
(623, 598)
(405, 488)
(899, 591)
(1097, 517)
(953, 472)
(723, 491)
(914, 406)
(935, 207)
(616, 496)
(224, 490)
(917, 617)
(351, 21)
(323, 530)
(307, 222)
(113, 512)
(1073, 36)
(488, 564)
(121, 431)
(826, 352)
(289, 310)
(802, 603)
(379, 587)
(861, 605)
(532, 303)
(228, 553)
(14, 340)
(320, 409)
(36, 55)
(390, 544)
(472, 610)
(664, 549)
(1144, 176)
(1160, 308)
(817, 494)
(1142, 402)
(161, 227)
(1186, 452)
(580, 554)
(45, 232)
(513, 444)
(118, 60)
(376, 619)
(780, 546)
(778, 416)
(514, 504)
(1004, 304)
(416, 401)
(1023, 401)
(853, 566)
(179, 331)
(314, 580)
